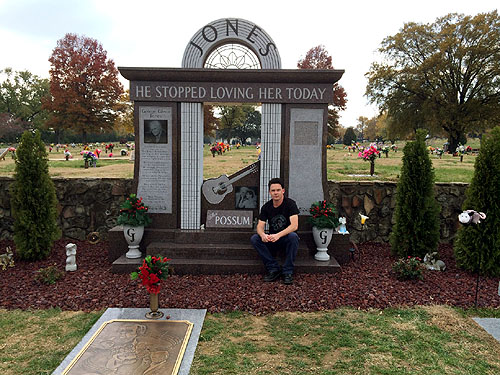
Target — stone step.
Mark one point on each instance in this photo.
(182, 266)
(213, 251)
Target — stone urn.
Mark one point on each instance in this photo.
(133, 235)
(322, 238)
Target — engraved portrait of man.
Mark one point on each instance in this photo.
(155, 131)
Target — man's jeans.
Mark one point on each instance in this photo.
(290, 243)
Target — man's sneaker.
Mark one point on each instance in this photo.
(288, 279)
(272, 276)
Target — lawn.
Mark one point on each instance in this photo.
(421, 340)
(342, 165)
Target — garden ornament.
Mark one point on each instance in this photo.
(471, 217)
(363, 218)
(71, 257)
(432, 263)
(7, 259)
(342, 228)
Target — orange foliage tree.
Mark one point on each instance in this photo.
(84, 86)
(319, 58)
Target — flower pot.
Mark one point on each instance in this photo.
(86, 164)
(322, 238)
(153, 305)
(372, 168)
(133, 235)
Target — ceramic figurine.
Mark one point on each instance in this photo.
(71, 257)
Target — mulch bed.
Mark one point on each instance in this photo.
(367, 282)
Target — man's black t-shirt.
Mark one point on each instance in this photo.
(278, 217)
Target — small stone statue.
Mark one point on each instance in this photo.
(71, 257)
(432, 263)
(7, 259)
(342, 228)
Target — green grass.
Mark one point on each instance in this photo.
(424, 340)
(434, 340)
(36, 342)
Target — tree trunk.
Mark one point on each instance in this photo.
(454, 138)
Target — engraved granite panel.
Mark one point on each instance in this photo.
(155, 170)
(305, 176)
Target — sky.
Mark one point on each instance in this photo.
(155, 33)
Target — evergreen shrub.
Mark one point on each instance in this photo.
(416, 229)
(477, 247)
(349, 136)
(33, 200)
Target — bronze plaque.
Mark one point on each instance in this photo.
(133, 347)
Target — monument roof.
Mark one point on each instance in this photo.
(232, 75)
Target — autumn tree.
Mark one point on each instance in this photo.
(21, 95)
(84, 86)
(210, 121)
(124, 123)
(441, 76)
(319, 58)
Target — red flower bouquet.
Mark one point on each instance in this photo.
(153, 270)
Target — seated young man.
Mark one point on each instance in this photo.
(282, 215)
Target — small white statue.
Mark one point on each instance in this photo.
(432, 263)
(342, 228)
(71, 257)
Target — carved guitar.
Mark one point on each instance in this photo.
(215, 189)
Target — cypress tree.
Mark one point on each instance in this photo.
(477, 247)
(349, 136)
(416, 229)
(33, 200)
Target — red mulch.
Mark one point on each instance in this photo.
(367, 282)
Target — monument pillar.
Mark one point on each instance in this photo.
(191, 164)
(270, 147)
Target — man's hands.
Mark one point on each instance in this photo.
(270, 237)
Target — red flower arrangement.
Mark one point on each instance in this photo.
(134, 212)
(153, 270)
(323, 215)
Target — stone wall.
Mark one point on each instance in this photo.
(85, 205)
(90, 205)
(378, 199)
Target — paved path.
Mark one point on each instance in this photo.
(490, 325)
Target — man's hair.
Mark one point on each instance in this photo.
(275, 180)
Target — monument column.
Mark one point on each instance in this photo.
(270, 147)
(191, 164)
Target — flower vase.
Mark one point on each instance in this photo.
(153, 306)
(322, 238)
(372, 167)
(86, 165)
(133, 235)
